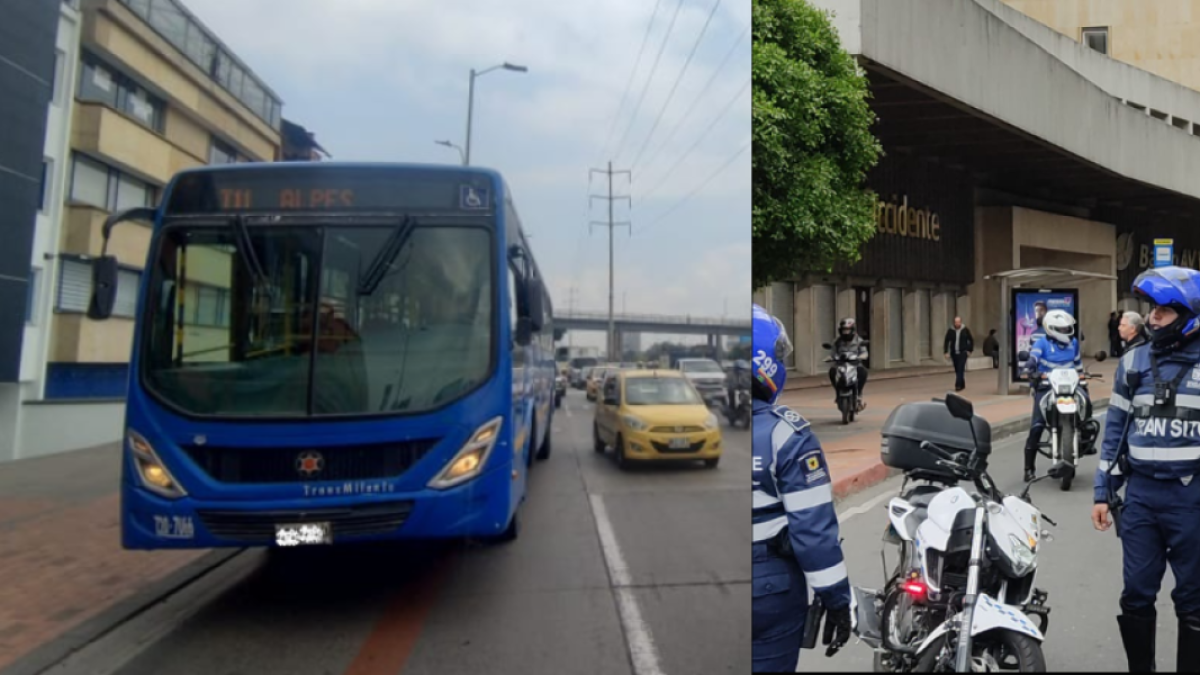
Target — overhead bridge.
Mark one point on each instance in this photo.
(652, 323)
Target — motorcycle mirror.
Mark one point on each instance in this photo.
(959, 407)
(826, 345)
(1100, 356)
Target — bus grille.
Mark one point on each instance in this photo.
(281, 465)
(352, 521)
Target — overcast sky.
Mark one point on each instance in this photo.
(381, 80)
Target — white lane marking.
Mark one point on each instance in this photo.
(637, 633)
(859, 510)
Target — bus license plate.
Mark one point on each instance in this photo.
(680, 443)
(302, 534)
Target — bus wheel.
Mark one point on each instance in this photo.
(513, 531)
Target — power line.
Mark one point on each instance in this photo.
(646, 87)
(669, 172)
(675, 86)
(699, 188)
(629, 82)
(692, 106)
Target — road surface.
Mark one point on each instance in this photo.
(643, 572)
(1080, 569)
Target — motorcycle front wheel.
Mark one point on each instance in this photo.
(992, 651)
(1067, 443)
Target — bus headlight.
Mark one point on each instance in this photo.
(469, 461)
(153, 473)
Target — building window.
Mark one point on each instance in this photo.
(220, 152)
(1096, 38)
(102, 84)
(31, 296)
(46, 188)
(107, 188)
(75, 288)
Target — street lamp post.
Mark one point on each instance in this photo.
(471, 99)
(448, 144)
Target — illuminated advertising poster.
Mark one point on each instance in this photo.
(1029, 307)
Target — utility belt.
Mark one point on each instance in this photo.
(1142, 412)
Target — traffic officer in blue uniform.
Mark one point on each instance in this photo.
(1156, 390)
(1057, 348)
(795, 527)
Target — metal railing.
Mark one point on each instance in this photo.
(677, 319)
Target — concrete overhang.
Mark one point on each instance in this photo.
(963, 82)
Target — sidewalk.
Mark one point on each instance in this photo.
(66, 577)
(853, 450)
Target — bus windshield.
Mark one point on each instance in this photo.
(339, 318)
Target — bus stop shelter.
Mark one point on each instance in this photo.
(1032, 277)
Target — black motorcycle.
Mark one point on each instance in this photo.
(737, 408)
(845, 382)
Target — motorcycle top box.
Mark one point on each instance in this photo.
(911, 423)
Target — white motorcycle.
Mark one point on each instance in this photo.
(967, 557)
(1068, 415)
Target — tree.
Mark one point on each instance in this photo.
(812, 144)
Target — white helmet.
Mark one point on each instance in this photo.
(1059, 325)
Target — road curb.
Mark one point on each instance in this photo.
(877, 472)
(78, 638)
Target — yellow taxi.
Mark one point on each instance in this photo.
(595, 379)
(655, 415)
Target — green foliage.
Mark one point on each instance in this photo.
(812, 144)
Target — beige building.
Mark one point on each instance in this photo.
(1159, 36)
(155, 92)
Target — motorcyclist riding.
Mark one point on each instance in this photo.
(848, 342)
(795, 541)
(1057, 348)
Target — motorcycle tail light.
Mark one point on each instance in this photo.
(915, 588)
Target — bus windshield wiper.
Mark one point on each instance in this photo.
(241, 236)
(378, 268)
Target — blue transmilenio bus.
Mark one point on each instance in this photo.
(330, 352)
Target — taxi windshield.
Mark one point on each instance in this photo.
(660, 391)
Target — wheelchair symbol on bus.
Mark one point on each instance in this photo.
(473, 198)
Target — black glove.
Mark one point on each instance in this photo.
(837, 629)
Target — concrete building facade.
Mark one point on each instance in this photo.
(146, 91)
(1008, 146)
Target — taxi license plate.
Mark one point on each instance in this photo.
(303, 534)
(680, 443)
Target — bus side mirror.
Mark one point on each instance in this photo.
(105, 268)
(104, 288)
(523, 332)
(536, 304)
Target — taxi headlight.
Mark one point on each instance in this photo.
(634, 423)
(150, 470)
(712, 422)
(470, 460)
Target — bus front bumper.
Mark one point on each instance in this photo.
(479, 508)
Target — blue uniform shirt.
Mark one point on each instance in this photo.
(1048, 354)
(1161, 448)
(793, 490)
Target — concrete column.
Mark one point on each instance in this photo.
(941, 321)
(912, 328)
(881, 332)
(804, 339)
(964, 310)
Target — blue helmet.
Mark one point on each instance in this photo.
(1179, 289)
(771, 348)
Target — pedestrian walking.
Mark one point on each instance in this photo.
(991, 347)
(1156, 459)
(958, 347)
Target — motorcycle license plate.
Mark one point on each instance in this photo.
(680, 444)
